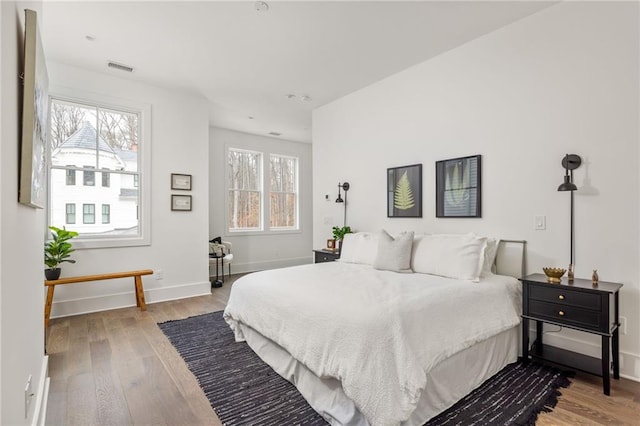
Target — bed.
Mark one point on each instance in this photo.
(371, 343)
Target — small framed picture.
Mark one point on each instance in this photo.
(181, 203)
(331, 244)
(180, 182)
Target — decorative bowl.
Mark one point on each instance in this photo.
(554, 274)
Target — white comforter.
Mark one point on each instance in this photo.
(378, 332)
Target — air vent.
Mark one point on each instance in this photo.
(275, 134)
(120, 66)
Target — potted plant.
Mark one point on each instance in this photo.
(339, 233)
(58, 250)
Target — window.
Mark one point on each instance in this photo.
(89, 176)
(247, 210)
(89, 213)
(71, 214)
(71, 177)
(245, 190)
(106, 178)
(104, 143)
(283, 199)
(106, 213)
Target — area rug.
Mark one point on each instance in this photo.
(243, 390)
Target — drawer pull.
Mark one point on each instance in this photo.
(561, 297)
(561, 313)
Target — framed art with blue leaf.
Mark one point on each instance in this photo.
(404, 191)
(458, 187)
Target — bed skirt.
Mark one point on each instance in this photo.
(447, 382)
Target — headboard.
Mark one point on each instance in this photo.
(511, 258)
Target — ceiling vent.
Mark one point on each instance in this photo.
(275, 134)
(120, 67)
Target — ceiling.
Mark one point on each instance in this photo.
(246, 61)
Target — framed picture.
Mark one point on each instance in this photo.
(458, 187)
(404, 191)
(180, 182)
(181, 203)
(32, 189)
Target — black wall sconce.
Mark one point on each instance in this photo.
(344, 186)
(570, 162)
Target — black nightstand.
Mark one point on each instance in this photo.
(325, 256)
(581, 306)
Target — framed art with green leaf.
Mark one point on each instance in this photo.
(404, 191)
(458, 187)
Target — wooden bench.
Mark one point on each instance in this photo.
(137, 279)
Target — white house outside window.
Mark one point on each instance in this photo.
(100, 143)
(246, 174)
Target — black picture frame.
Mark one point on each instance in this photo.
(459, 187)
(180, 182)
(404, 191)
(181, 203)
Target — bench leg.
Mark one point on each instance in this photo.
(47, 305)
(139, 293)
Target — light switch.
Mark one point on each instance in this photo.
(540, 223)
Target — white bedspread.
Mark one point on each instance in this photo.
(378, 332)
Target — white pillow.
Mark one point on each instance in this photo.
(359, 247)
(394, 254)
(490, 253)
(454, 256)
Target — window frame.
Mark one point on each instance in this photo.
(296, 194)
(143, 110)
(265, 192)
(102, 213)
(66, 213)
(90, 214)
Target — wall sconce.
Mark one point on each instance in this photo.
(570, 162)
(344, 186)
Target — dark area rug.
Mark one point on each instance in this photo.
(243, 390)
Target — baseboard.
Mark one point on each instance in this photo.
(629, 362)
(85, 305)
(240, 268)
(42, 394)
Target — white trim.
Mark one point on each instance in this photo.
(42, 395)
(629, 362)
(240, 268)
(85, 305)
(144, 186)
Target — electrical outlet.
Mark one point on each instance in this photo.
(159, 274)
(28, 394)
(623, 325)
(540, 223)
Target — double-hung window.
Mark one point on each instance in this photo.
(263, 191)
(105, 145)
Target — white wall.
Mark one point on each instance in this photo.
(269, 250)
(21, 241)
(179, 144)
(564, 80)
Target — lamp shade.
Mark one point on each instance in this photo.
(567, 185)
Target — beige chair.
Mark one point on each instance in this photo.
(218, 247)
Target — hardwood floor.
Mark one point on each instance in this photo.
(118, 368)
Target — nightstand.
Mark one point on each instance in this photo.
(581, 306)
(324, 255)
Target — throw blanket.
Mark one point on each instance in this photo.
(378, 332)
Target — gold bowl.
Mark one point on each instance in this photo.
(554, 274)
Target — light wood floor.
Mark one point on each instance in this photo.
(118, 368)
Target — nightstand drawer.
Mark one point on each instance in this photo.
(566, 314)
(566, 297)
(321, 256)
